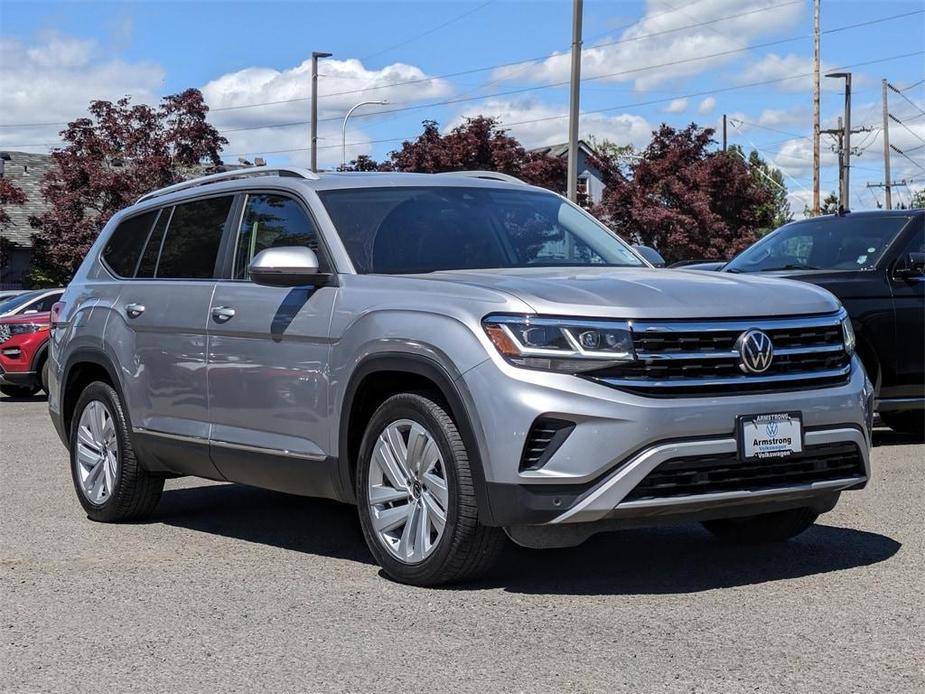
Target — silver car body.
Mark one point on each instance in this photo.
(266, 397)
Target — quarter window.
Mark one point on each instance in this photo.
(191, 243)
(270, 221)
(147, 266)
(124, 246)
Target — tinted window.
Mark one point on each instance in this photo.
(191, 244)
(408, 230)
(270, 221)
(44, 304)
(824, 243)
(148, 264)
(125, 244)
(17, 301)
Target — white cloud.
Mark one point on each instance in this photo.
(798, 67)
(676, 106)
(53, 79)
(535, 124)
(707, 105)
(674, 55)
(291, 87)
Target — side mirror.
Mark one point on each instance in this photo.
(912, 265)
(287, 266)
(650, 254)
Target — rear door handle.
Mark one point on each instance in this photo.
(134, 310)
(222, 313)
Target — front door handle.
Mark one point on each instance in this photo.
(222, 313)
(134, 310)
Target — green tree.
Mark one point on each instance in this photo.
(776, 212)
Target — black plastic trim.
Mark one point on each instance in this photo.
(456, 396)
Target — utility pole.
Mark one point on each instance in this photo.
(887, 186)
(572, 184)
(816, 59)
(845, 144)
(315, 56)
(724, 132)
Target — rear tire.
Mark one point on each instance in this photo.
(110, 483)
(461, 549)
(18, 391)
(765, 528)
(905, 422)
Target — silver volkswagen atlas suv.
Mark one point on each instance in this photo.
(463, 356)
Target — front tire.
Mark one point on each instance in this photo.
(110, 483)
(765, 528)
(416, 497)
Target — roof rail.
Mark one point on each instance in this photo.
(490, 175)
(231, 175)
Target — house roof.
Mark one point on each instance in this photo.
(27, 171)
(560, 151)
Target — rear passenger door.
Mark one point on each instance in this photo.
(268, 355)
(160, 332)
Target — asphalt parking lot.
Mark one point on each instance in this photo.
(235, 589)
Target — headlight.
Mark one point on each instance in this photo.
(26, 328)
(560, 344)
(848, 334)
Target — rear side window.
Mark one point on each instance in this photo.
(147, 266)
(270, 221)
(124, 247)
(190, 246)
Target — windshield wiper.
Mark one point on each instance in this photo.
(790, 266)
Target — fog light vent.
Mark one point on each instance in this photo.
(544, 439)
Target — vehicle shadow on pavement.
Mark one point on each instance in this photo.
(38, 397)
(300, 524)
(679, 559)
(683, 559)
(888, 437)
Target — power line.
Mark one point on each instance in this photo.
(902, 153)
(908, 129)
(586, 113)
(429, 31)
(914, 105)
(531, 60)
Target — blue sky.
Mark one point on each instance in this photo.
(56, 56)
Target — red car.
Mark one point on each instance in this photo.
(24, 354)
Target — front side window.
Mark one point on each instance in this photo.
(270, 221)
(426, 229)
(190, 246)
(43, 305)
(824, 243)
(124, 246)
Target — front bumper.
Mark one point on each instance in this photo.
(619, 438)
(23, 379)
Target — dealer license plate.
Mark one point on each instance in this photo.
(770, 435)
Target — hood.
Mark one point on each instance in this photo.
(648, 293)
(40, 318)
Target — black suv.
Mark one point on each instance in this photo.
(874, 262)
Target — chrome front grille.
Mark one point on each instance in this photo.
(702, 358)
(4, 333)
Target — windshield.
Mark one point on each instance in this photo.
(824, 243)
(418, 229)
(17, 301)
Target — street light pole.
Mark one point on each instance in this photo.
(315, 56)
(343, 159)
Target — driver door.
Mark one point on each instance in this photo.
(268, 355)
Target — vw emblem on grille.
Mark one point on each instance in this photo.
(755, 351)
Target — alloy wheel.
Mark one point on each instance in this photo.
(97, 452)
(407, 491)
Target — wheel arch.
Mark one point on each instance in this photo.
(82, 367)
(415, 371)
